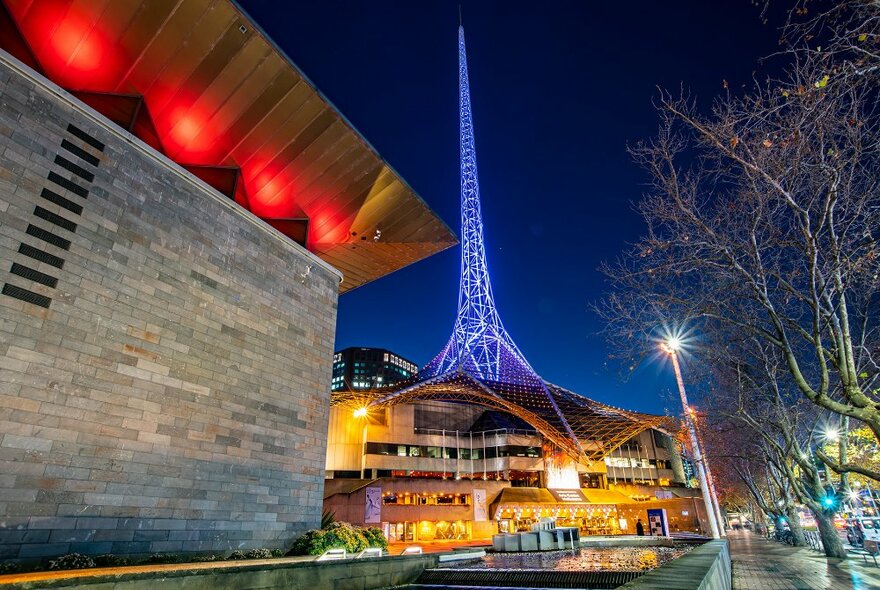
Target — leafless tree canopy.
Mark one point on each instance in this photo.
(763, 219)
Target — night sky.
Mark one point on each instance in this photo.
(558, 90)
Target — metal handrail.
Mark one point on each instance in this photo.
(498, 431)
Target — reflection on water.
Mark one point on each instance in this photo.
(588, 559)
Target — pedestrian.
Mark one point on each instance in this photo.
(640, 528)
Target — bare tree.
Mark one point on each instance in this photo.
(778, 426)
(741, 468)
(843, 35)
(763, 217)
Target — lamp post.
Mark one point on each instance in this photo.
(711, 479)
(361, 414)
(671, 347)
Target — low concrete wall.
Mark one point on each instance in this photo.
(351, 574)
(705, 568)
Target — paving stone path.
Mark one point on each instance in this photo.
(759, 564)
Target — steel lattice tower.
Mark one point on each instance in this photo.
(480, 363)
(480, 347)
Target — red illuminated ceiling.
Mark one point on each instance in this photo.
(218, 96)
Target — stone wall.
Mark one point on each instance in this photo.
(282, 574)
(165, 357)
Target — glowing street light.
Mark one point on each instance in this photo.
(672, 346)
(361, 413)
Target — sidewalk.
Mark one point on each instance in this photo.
(759, 564)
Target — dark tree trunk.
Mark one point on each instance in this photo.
(830, 539)
(794, 523)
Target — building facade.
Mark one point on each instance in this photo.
(164, 367)
(441, 470)
(179, 211)
(368, 368)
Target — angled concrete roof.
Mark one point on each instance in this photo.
(218, 93)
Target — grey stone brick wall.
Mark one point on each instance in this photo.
(165, 373)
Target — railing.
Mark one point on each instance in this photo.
(813, 540)
(488, 433)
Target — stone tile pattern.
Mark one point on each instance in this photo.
(759, 564)
(174, 396)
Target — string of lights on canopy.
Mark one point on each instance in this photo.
(482, 365)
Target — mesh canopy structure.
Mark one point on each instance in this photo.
(481, 364)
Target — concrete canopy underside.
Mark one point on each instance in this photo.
(214, 94)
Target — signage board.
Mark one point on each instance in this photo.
(373, 505)
(658, 525)
(481, 513)
(569, 496)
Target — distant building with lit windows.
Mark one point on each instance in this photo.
(458, 470)
(367, 368)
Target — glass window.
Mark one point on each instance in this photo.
(433, 452)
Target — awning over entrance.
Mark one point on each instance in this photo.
(538, 502)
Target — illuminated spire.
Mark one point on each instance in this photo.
(481, 360)
(480, 346)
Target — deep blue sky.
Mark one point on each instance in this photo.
(558, 90)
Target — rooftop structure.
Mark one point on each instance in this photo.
(482, 365)
(199, 81)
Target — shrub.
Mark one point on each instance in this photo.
(71, 561)
(203, 558)
(9, 568)
(236, 555)
(338, 535)
(261, 553)
(277, 553)
(375, 538)
(164, 558)
(111, 561)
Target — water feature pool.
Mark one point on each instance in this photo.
(585, 559)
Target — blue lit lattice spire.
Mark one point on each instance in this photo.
(481, 364)
(480, 346)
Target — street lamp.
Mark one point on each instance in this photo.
(712, 493)
(361, 414)
(671, 346)
(831, 434)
